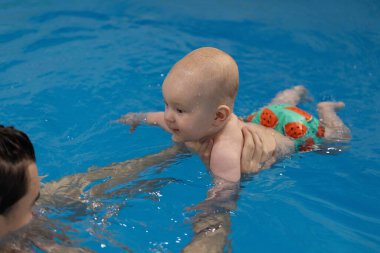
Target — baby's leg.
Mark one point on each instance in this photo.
(335, 129)
(291, 96)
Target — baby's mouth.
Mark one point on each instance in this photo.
(174, 130)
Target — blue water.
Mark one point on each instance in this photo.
(68, 68)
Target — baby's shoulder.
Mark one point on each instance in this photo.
(232, 130)
(231, 137)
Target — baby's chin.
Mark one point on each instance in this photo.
(176, 138)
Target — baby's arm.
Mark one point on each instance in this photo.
(150, 118)
(225, 159)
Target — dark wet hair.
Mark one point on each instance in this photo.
(16, 154)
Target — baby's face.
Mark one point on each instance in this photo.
(20, 213)
(189, 113)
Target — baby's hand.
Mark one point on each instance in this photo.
(132, 119)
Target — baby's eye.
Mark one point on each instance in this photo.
(179, 110)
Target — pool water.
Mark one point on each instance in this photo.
(69, 68)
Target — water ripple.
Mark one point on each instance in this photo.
(78, 14)
(11, 36)
(51, 42)
(329, 219)
(7, 65)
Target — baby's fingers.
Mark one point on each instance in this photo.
(133, 127)
(128, 118)
(131, 119)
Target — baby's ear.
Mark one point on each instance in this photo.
(222, 114)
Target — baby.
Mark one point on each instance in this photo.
(199, 94)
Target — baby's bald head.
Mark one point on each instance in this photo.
(209, 70)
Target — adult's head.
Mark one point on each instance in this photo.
(19, 182)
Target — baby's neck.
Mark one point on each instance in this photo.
(196, 145)
(221, 129)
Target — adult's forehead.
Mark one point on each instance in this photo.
(33, 175)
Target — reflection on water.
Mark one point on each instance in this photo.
(98, 194)
(82, 207)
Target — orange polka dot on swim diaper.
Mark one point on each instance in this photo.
(295, 129)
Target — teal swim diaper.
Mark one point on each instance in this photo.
(305, 130)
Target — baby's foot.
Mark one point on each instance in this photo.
(334, 126)
(303, 93)
(300, 89)
(329, 105)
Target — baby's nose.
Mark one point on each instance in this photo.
(169, 116)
